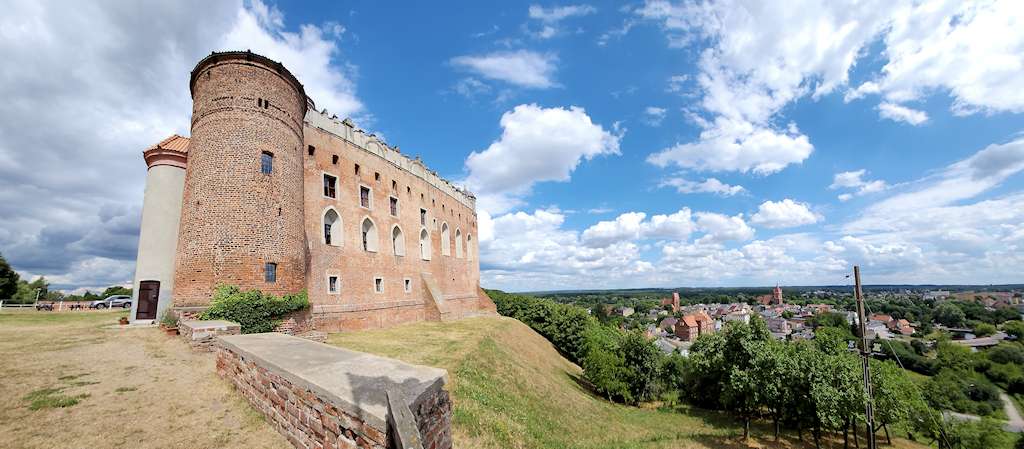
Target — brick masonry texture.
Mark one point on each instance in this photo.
(309, 421)
(236, 219)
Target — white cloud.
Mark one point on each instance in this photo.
(307, 54)
(523, 68)
(675, 83)
(537, 144)
(899, 113)
(70, 206)
(784, 214)
(709, 185)
(550, 18)
(654, 115)
(738, 146)
(764, 57)
(854, 180)
(719, 228)
(625, 227)
(470, 87)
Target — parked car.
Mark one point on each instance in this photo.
(123, 301)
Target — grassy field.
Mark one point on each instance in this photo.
(69, 383)
(510, 388)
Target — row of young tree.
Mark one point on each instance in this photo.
(15, 290)
(813, 387)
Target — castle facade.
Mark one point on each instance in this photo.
(268, 193)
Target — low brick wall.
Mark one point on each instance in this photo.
(202, 334)
(324, 397)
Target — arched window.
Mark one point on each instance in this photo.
(469, 246)
(424, 244)
(369, 233)
(446, 240)
(458, 243)
(398, 241)
(332, 228)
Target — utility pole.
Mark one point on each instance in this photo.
(865, 353)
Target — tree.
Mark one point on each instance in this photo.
(954, 357)
(895, 395)
(984, 329)
(116, 290)
(773, 369)
(950, 314)
(8, 280)
(641, 360)
(1014, 328)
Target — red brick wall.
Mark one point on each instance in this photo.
(235, 218)
(308, 421)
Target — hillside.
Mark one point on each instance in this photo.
(512, 389)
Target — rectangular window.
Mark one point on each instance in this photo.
(266, 162)
(376, 176)
(394, 185)
(378, 285)
(270, 272)
(332, 284)
(311, 150)
(394, 206)
(330, 185)
(423, 217)
(334, 159)
(408, 285)
(327, 232)
(364, 196)
(357, 169)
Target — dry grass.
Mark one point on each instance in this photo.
(69, 383)
(511, 389)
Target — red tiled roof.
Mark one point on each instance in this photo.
(690, 320)
(173, 143)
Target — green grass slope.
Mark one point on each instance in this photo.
(511, 389)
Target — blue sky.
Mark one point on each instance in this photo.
(647, 143)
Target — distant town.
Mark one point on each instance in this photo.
(675, 318)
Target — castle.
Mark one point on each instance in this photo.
(268, 193)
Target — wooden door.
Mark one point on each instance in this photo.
(149, 294)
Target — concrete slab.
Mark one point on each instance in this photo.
(353, 381)
(207, 325)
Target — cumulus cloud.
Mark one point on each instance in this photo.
(549, 19)
(855, 180)
(709, 185)
(719, 228)
(784, 214)
(523, 68)
(631, 226)
(763, 58)
(537, 144)
(70, 206)
(899, 113)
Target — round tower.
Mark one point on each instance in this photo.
(241, 216)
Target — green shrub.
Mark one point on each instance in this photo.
(254, 310)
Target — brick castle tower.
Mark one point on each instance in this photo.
(243, 194)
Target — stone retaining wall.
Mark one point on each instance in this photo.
(200, 335)
(324, 397)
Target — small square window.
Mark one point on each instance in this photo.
(330, 186)
(378, 285)
(334, 159)
(270, 272)
(332, 284)
(376, 176)
(394, 206)
(267, 162)
(357, 169)
(311, 149)
(364, 196)
(408, 285)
